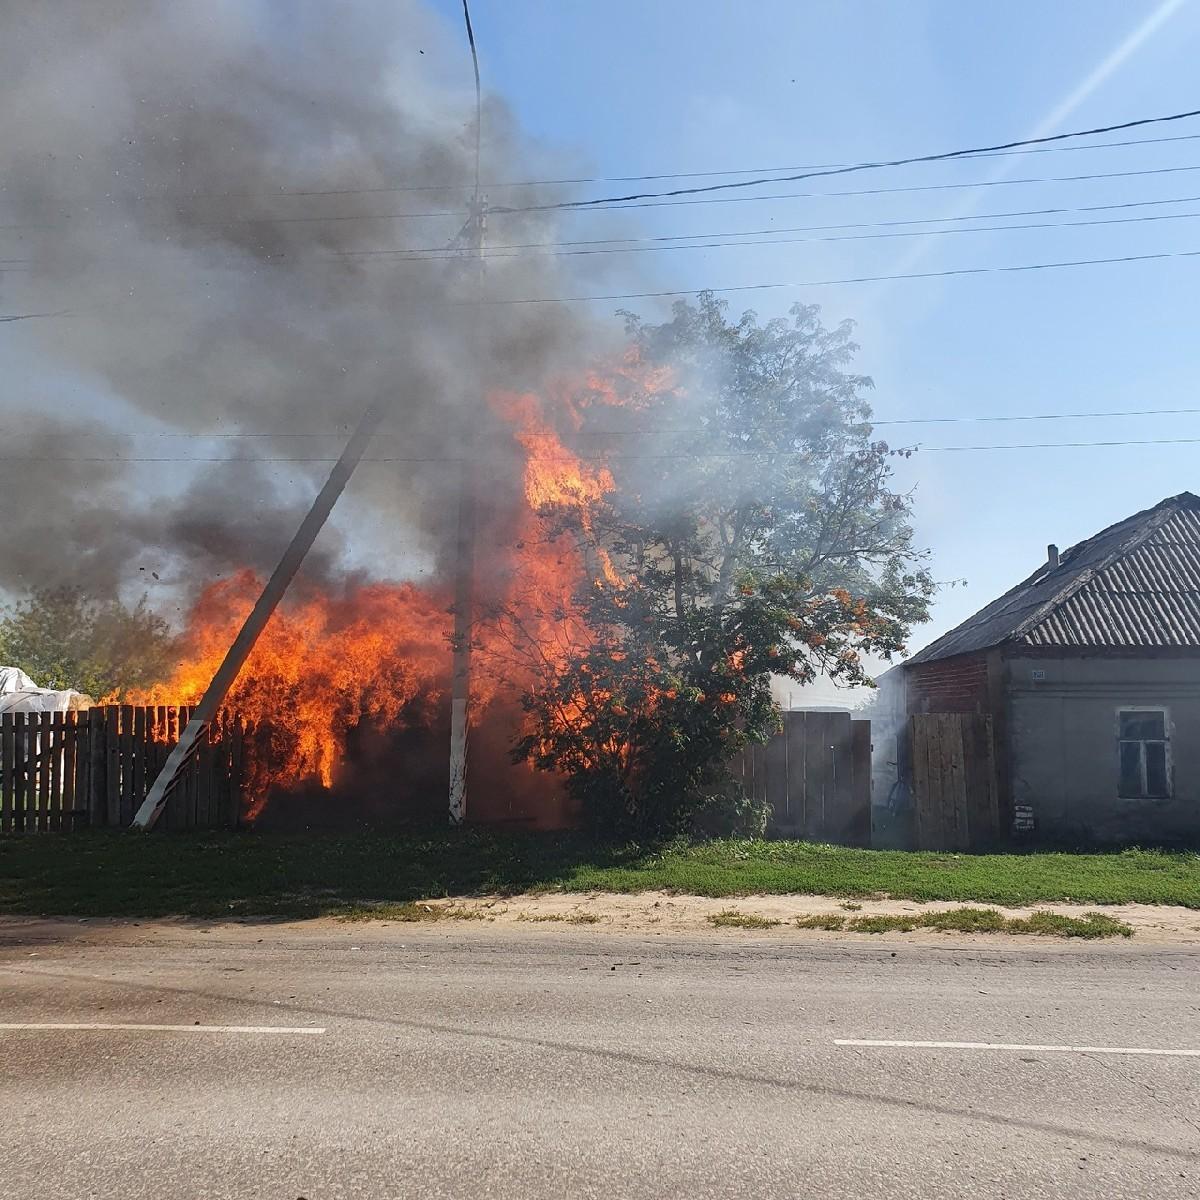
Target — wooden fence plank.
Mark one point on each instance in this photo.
(51, 780)
(793, 730)
(957, 818)
(29, 807)
(112, 765)
(126, 756)
(918, 787)
(938, 781)
(20, 751)
(83, 787)
(816, 771)
(775, 770)
(838, 793)
(190, 774)
(939, 778)
(236, 759)
(70, 751)
(204, 754)
(97, 788)
(8, 757)
(170, 817)
(858, 832)
(137, 766)
(947, 784)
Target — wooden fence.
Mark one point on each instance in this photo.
(953, 781)
(816, 776)
(63, 771)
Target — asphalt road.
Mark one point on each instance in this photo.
(465, 1062)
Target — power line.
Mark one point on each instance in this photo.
(681, 456)
(891, 191)
(749, 233)
(876, 422)
(760, 287)
(865, 166)
(9, 317)
(785, 241)
(455, 213)
(1078, 416)
(434, 254)
(1066, 445)
(385, 189)
(642, 432)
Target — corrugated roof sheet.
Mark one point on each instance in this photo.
(1136, 583)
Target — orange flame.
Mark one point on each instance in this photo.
(327, 663)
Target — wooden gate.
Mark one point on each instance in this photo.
(62, 771)
(953, 781)
(816, 776)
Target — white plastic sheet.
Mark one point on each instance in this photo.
(18, 693)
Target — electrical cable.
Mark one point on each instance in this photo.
(784, 241)
(675, 457)
(865, 166)
(813, 283)
(456, 213)
(582, 179)
(642, 432)
(750, 233)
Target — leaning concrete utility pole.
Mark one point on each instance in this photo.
(284, 573)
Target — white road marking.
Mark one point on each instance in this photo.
(904, 1045)
(16, 1026)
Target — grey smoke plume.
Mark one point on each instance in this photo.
(152, 154)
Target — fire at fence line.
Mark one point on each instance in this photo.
(62, 771)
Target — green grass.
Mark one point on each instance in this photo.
(974, 920)
(564, 918)
(730, 918)
(827, 921)
(211, 875)
(956, 920)
(410, 910)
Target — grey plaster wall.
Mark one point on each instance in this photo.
(1063, 745)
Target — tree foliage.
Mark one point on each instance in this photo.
(64, 640)
(755, 533)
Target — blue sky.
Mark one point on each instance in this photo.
(625, 88)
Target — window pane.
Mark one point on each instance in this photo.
(1131, 769)
(1156, 769)
(1143, 725)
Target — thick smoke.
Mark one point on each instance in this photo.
(184, 182)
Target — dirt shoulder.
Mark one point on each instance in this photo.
(649, 912)
(644, 913)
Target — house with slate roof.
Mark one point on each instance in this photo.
(1090, 672)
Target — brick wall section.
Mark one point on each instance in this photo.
(948, 685)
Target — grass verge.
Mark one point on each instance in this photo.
(972, 920)
(730, 918)
(252, 875)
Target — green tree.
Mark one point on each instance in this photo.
(755, 533)
(62, 639)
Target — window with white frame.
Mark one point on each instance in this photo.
(1144, 747)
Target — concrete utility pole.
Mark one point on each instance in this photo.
(464, 577)
(284, 573)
